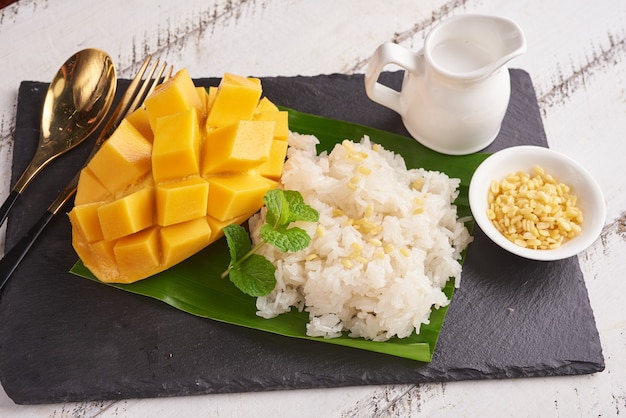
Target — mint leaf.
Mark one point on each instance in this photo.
(277, 208)
(254, 276)
(298, 210)
(238, 240)
(286, 239)
(293, 197)
(303, 212)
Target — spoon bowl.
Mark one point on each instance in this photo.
(77, 101)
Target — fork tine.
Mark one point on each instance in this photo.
(148, 85)
(121, 109)
(168, 75)
(141, 93)
(133, 98)
(156, 81)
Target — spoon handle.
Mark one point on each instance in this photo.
(12, 259)
(7, 205)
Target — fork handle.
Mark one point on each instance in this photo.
(7, 205)
(12, 259)
(16, 254)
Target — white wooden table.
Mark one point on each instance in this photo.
(576, 58)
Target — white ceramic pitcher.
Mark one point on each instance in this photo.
(456, 89)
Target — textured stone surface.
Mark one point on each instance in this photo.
(67, 339)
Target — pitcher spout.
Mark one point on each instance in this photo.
(512, 41)
(473, 46)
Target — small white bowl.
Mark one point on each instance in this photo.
(562, 168)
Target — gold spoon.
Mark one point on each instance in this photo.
(78, 99)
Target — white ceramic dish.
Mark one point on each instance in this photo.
(565, 170)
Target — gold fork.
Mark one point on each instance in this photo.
(134, 96)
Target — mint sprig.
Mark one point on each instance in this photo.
(252, 273)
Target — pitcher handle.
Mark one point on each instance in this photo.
(385, 54)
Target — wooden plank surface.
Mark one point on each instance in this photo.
(576, 54)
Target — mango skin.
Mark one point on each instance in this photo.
(147, 203)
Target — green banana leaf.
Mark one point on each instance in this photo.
(195, 286)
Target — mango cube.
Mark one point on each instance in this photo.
(123, 158)
(237, 147)
(89, 188)
(176, 95)
(182, 240)
(273, 167)
(265, 105)
(139, 119)
(181, 201)
(101, 252)
(280, 117)
(212, 92)
(235, 195)
(137, 252)
(127, 215)
(236, 99)
(86, 218)
(176, 148)
(203, 94)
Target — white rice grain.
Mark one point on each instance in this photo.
(387, 241)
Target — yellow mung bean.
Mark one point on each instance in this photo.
(534, 210)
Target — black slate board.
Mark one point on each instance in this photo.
(63, 338)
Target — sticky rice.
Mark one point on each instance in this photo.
(387, 241)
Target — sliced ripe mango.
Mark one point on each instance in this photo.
(235, 195)
(181, 201)
(101, 254)
(265, 105)
(203, 94)
(273, 167)
(236, 99)
(181, 241)
(147, 200)
(280, 117)
(237, 147)
(123, 159)
(139, 120)
(138, 252)
(127, 215)
(175, 95)
(176, 148)
(90, 189)
(86, 218)
(212, 92)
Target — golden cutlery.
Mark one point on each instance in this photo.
(132, 99)
(77, 101)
